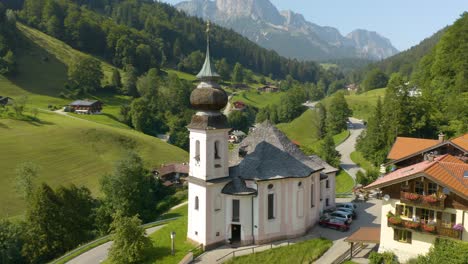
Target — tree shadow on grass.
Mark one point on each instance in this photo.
(4, 126)
(40, 71)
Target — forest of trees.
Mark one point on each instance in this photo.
(150, 34)
(8, 39)
(442, 77)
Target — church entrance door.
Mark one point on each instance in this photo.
(235, 233)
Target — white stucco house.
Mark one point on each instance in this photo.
(422, 202)
(265, 189)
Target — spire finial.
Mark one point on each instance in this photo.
(208, 71)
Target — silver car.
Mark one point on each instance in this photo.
(347, 217)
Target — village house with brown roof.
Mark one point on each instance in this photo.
(269, 88)
(423, 201)
(407, 151)
(172, 174)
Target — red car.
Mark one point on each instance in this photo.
(334, 223)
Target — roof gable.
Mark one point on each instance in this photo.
(461, 141)
(270, 154)
(445, 170)
(405, 146)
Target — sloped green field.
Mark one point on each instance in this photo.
(69, 150)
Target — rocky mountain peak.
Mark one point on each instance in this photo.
(261, 22)
(262, 10)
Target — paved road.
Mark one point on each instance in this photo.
(348, 146)
(99, 254)
(369, 214)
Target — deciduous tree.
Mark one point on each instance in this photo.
(130, 243)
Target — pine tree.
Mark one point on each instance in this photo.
(328, 152)
(116, 80)
(238, 73)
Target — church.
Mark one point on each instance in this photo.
(265, 189)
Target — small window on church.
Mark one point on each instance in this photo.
(216, 150)
(299, 184)
(197, 150)
(327, 184)
(271, 206)
(312, 196)
(196, 202)
(270, 186)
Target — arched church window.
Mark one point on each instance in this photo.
(197, 202)
(197, 150)
(216, 150)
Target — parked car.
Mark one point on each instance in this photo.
(347, 205)
(347, 217)
(334, 223)
(347, 210)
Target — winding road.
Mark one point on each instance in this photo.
(99, 253)
(348, 146)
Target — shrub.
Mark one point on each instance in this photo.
(387, 257)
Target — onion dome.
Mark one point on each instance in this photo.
(208, 96)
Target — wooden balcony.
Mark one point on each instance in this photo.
(426, 201)
(436, 230)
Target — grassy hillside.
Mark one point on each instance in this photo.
(257, 99)
(363, 104)
(303, 130)
(70, 150)
(67, 149)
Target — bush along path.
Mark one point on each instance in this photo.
(97, 251)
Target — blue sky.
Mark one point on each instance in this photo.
(404, 22)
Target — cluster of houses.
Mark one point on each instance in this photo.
(425, 196)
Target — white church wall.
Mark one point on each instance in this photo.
(245, 217)
(196, 229)
(216, 209)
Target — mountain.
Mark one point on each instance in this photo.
(260, 21)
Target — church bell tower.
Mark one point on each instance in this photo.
(208, 154)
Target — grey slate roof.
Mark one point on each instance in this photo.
(238, 187)
(208, 70)
(269, 154)
(328, 167)
(83, 102)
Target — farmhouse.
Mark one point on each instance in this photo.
(422, 202)
(268, 89)
(86, 107)
(407, 151)
(266, 189)
(172, 174)
(5, 100)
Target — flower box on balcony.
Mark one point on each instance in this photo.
(428, 228)
(394, 220)
(430, 199)
(411, 196)
(412, 225)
